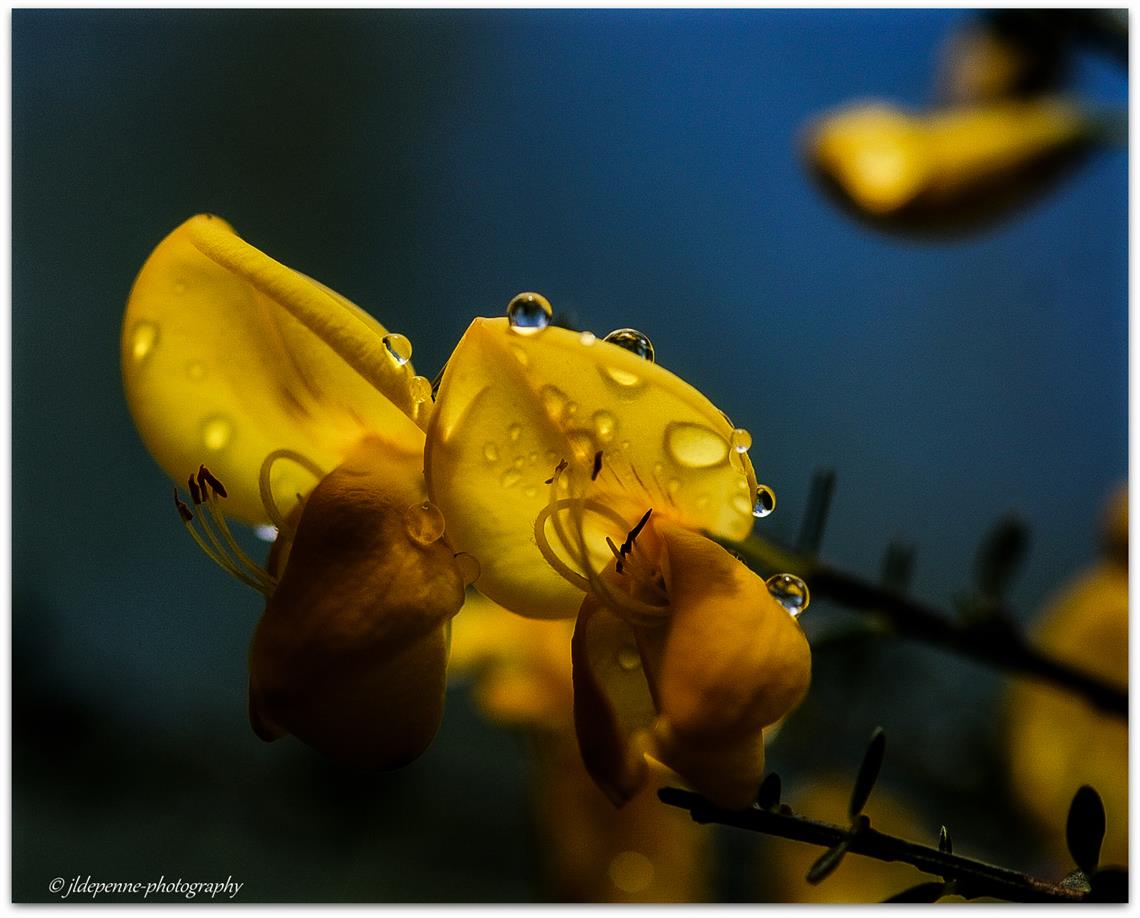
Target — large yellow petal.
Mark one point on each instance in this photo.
(228, 355)
(511, 406)
(733, 661)
(351, 652)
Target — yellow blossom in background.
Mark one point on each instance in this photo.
(1057, 742)
(948, 168)
(288, 393)
(548, 449)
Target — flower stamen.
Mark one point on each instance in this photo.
(265, 487)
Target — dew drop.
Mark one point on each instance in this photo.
(632, 340)
(587, 339)
(510, 478)
(420, 389)
(195, 371)
(265, 532)
(514, 432)
(519, 462)
(695, 446)
(533, 457)
(216, 432)
(530, 491)
(468, 567)
(765, 502)
(554, 401)
(180, 287)
(424, 523)
(490, 451)
(399, 348)
(529, 313)
(740, 439)
(621, 378)
(628, 658)
(604, 426)
(790, 592)
(673, 485)
(144, 336)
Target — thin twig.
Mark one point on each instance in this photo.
(994, 640)
(972, 878)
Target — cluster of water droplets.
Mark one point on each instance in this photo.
(790, 592)
(399, 348)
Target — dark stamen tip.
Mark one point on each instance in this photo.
(205, 475)
(195, 491)
(597, 466)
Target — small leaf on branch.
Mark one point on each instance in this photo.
(868, 772)
(768, 796)
(945, 845)
(828, 861)
(1084, 831)
(923, 892)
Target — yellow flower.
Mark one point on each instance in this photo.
(581, 476)
(309, 416)
(1058, 742)
(950, 168)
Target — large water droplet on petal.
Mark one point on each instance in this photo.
(740, 439)
(399, 348)
(790, 592)
(144, 336)
(420, 389)
(468, 566)
(424, 523)
(765, 502)
(694, 445)
(632, 340)
(216, 432)
(587, 339)
(529, 313)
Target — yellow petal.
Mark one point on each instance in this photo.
(511, 406)
(732, 662)
(228, 355)
(351, 652)
(612, 704)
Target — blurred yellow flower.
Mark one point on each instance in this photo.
(291, 393)
(951, 167)
(1057, 742)
(547, 450)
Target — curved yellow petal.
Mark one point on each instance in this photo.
(228, 356)
(732, 662)
(512, 406)
(613, 708)
(351, 652)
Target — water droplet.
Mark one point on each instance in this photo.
(765, 502)
(790, 592)
(529, 313)
(510, 478)
(144, 336)
(581, 443)
(216, 432)
(490, 451)
(571, 409)
(587, 339)
(554, 401)
(694, 445)
(631, 871)
(740, 439)
(520, 355)
(195, 371)
(533, 457)
(673, 486)
(265, 532)
(604, 426)
(420, 389)
(632, 340)
(468, 567)
(180, 287)
(628, 658)
(424, 523)
(621, 378)
(399, 348)
(530, 491)
(514, 432)
(519, 462)
(624, 444)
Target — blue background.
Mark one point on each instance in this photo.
(640, 168)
